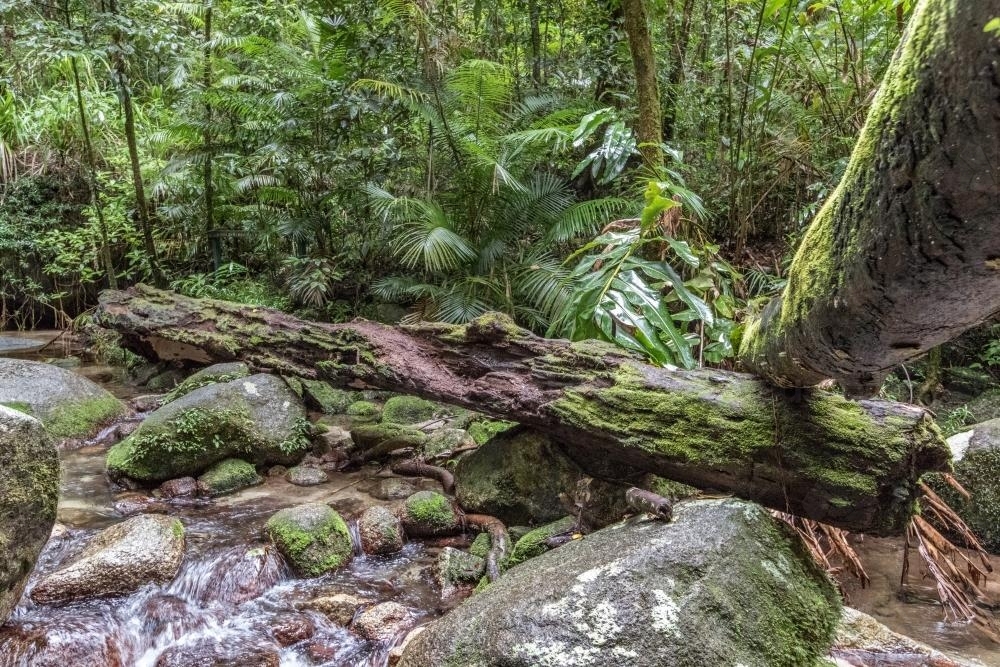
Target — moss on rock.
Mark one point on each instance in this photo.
(369, 436)
(482, 430)
(429, 514)
(407, 410)
(363, 411)
(329, 400)
(229, 475)
(215, 374)
(314, 538)
(74, 419)
(534, 543)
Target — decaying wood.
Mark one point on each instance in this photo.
(854, 465)
(905, 254)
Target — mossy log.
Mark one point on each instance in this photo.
(905, 254)
(812, 453)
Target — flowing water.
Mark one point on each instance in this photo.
(234, 594)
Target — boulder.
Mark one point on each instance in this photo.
(313, 538)
(393, 488)
(69, 405)
(215, 374)
(456, 569)
(340, 608)
(227, 476)
(446, 441)
(306, 475)
(319, 395)
(383, 622)
(723, 584)
(862, 641)
(381, 531)
(218, 652)
(29, 491)
(370, 436)
(257, 418)
(521, 476)
(429, 514)
(147, 548)
(363, 411)
(180, 487)
(407, 410)
(976, 455)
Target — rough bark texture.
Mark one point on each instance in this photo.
(905, 254)
(815, 454)
(640, 45)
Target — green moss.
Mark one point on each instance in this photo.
(217, 374)
(314, 543)
(229, 475)
(364, 410)
(321, 396)
(177, 528)
(533, 544)
(82, 418)
(407, 410)
(483, 429)
(481, 545)
(369, 436)
(428, 513)
(20, 406)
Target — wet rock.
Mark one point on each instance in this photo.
(363, 411)
(66, 644)
(650, 593)
(396, 653)
(277, 471)
(535, 542)
(241, 574)
(976, 455)
(407, 410)
(228, 476)
(334, 438)
(218, 653)
(306, 475)
(381, 531)
(131, 503)
(340, 608)
(215, 374)
(165, 381)
(329, 400)
(125, 429)
(521, 476)
(369, 436)
(180, 487)
(146, 402)
(29, 489)
(447, 440)
(862, 641)
(169, 615)
(393, 488)
(429, 514)
(457, 570)
(314, 538)
(69, 405)
(292, 628)
(118, 561)
(257, 418)
(383, 622)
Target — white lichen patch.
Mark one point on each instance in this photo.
(251, 389)
(557, 654)
(665, 613)
(959, 444)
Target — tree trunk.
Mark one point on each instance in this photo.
(905, 254)
(815, 454)
(211, 232)
(640, 45)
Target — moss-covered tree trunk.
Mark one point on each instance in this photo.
(905, 254)
(640, 44)
(815, 454)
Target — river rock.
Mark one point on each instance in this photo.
(306, 475)
(181, 487)
(383, 621)
(407, 410)
(29, 490)
(257, 418)
(723, 584)
(393, 488)
(241, 574)
(319, 395)
(210, 375)
(522, 477)
(118, 561)
(69, 405)
(293, 628)
(447, 440)
(228, 476)
(976, 455)
(313, 537)
(429, 514)
(457, 569)
(862, 641)
(211, 652)
(381, 531)
(62, 643)
(341, 608)
(535, 542)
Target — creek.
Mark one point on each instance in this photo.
(233, 590)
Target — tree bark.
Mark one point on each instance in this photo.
(905, 254)
(814, 454)
(640, 45)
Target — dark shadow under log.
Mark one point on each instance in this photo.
(854, 465)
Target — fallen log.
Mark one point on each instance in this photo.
(854, 465)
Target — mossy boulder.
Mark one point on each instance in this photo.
(227, 476)
(534, 543)
(319, 395)
(407, 410)
(521, 476)
(985, 406)
(482, 430)
(387, 436)
(429, 514)
(977, 468)
(381, 531)
(457, 569)
(257, 418)
(363, 412)
(117, 561)
(306, 475)
(723, 584)
(68, 404)
(314, 538)
(967, 380)
(29, 490)
(445, 440)
(210, 375)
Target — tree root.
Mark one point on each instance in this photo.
(499, 541)
(417, 469)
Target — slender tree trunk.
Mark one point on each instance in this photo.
(640, 43)
(818, 455)
(142, 210)
(95, 192)
(675, 77)
(210, 231)
(905, 254)
(536, 44)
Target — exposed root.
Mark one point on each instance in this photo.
(499, 541)
(417, 469)
(828, 545)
